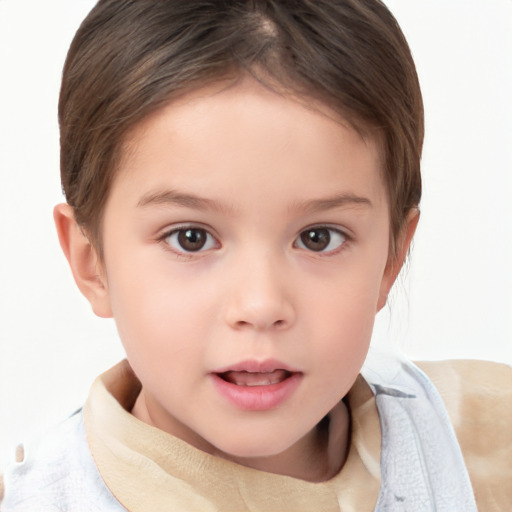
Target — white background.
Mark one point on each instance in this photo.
(455, 301)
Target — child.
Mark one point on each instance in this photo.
(242, 184)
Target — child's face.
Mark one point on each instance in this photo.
(245, 257)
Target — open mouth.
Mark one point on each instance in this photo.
(253, 379)
(257, 385)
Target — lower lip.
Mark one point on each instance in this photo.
(257, 398)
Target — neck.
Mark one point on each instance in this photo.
(317, 457)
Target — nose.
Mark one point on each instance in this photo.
(258, 296)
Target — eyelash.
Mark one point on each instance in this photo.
(211, 241)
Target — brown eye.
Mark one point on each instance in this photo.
(190, 240)
(321, 239)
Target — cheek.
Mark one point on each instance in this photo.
(344, 314)
(342, 349)
(159, 331)
(346, 329)
(152, 307)
(349, 296)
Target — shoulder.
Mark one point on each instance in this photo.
(56, 473)
(478, 398)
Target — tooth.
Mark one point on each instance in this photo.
(252, 379)
(260, 382)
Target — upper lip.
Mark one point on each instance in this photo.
(255, 366)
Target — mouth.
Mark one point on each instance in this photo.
(257, 386)
(254, 379)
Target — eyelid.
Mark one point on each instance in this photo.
(346, 232)
(180, 226)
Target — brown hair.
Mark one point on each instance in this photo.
(130, 57)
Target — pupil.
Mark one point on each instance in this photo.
(192, 239)
(316, 239)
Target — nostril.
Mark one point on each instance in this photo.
(243, 324)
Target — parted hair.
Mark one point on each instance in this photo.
(132, 57)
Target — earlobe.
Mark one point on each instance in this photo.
(395, 264)
(83, 260)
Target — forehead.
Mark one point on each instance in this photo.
(243, 133)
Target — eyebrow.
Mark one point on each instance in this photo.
(329, 203)
(173, 197)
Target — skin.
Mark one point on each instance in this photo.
(253, 171)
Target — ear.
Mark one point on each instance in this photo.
(395, 264)
(83, 260)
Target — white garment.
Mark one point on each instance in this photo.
(422, 466)
(58, 474)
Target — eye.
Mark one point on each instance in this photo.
(190, 240)
(321, 239)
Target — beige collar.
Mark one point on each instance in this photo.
(149, 470)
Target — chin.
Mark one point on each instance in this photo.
(242, 449)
